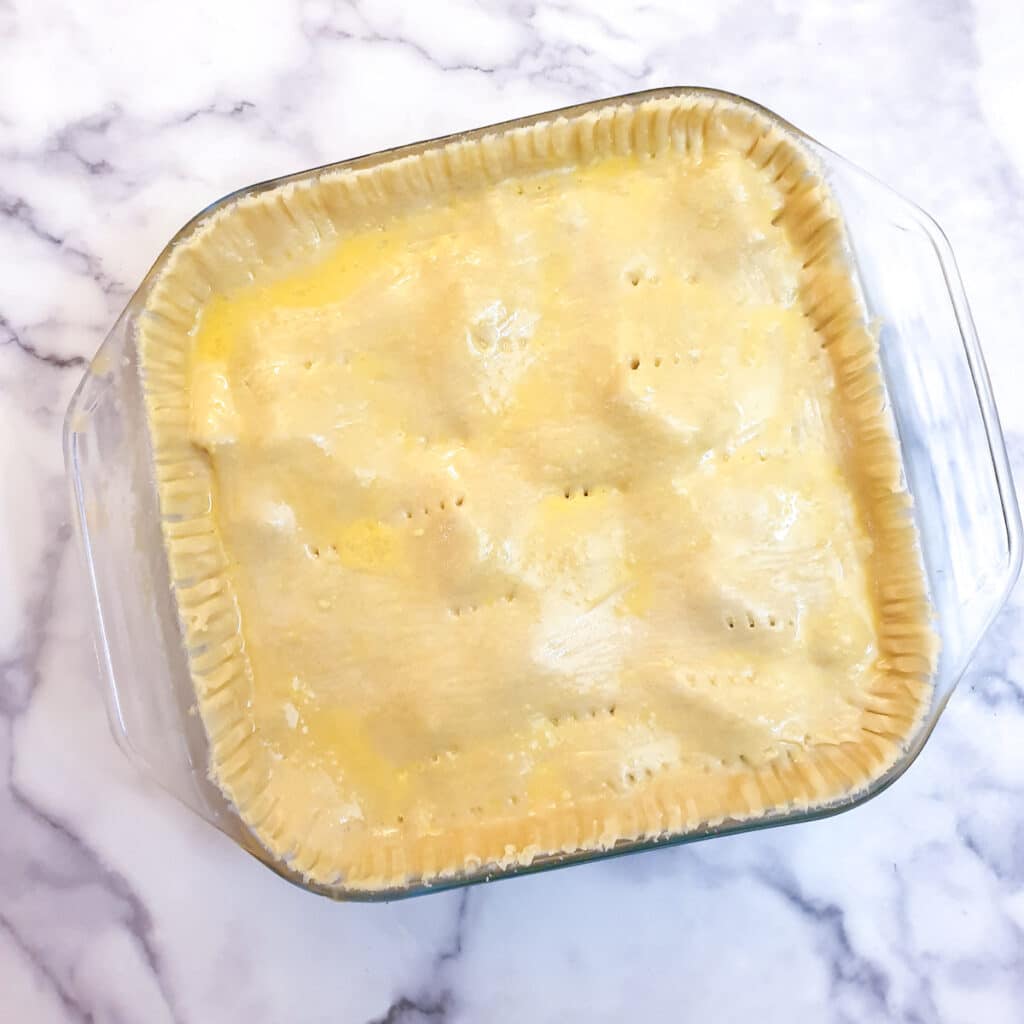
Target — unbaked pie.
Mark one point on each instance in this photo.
(532, 492)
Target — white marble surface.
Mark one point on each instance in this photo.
(118, 121)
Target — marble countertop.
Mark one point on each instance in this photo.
(116, 903)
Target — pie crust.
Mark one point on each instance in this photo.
(533, 492)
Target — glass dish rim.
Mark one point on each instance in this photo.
(979, 380)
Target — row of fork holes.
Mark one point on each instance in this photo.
(444, 505)
(631, 778)
(658, 361)
(750, 621)
(573, 716)
(588, 491)
(584, 492)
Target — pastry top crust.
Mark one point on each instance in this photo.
(531, 493)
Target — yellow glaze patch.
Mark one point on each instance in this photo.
(368, 545)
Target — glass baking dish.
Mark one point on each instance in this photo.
(954, 457)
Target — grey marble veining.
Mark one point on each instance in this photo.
(117, 123)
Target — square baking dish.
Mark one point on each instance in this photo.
(939, 398)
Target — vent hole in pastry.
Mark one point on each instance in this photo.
(657, 361)
(586, 492)
(631, 778)
(442, 504)
(730, 622)
(408, 513)
(513, 800)
(400, 819)
(750, 621)
(308, 364)
(611, 710)
(568, 493)
(634, 363)
(313, 550)
(634, 277)
(772, 622)
(459, 500)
